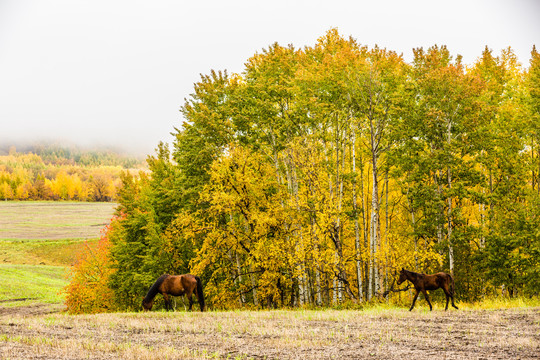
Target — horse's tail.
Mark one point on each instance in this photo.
(200, 294)
(451, 284)
(154, 289)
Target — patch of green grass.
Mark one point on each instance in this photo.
(39, 283)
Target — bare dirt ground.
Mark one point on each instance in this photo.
(40, 332)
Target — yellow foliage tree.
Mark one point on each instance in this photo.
(6, 192)
(247, 247)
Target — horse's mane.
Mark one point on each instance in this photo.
(414, 275)
(154, 289)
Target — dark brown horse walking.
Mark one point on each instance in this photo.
(175, 285)
(423, 282)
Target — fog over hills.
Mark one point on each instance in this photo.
(116, 73)
(67, 148)
(35, 146)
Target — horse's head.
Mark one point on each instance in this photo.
(402, 276)
(147, 306)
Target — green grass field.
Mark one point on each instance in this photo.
(38, 243)
(31, 283)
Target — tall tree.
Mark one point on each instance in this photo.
(439, 164)
(205, 134)
(533, 87)
(375, 95)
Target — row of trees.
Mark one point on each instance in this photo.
(316, 174)
(26, 176)
(53, 154)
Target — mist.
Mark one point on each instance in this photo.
(116, 73)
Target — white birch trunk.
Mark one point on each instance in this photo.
(239, 269)
(374, 223)
(356, 225)
(450, 225)
(254, 285)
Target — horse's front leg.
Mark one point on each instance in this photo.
(427, 299)
(414, 299)
(167, 301)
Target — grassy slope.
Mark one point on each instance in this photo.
(31, 282)
(38, 242)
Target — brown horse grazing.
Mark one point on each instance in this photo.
(175, 285)
(423, 282)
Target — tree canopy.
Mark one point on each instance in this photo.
(313, 176)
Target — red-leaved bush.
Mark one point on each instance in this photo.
(88, 290)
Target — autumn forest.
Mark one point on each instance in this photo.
(315, 175)
(60, 173)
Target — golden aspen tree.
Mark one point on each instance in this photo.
(245, 225)
(6, 192)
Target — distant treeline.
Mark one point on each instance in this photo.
(56, 173)
(63, 155)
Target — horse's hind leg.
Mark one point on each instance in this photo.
(451, 292)
(454, 305)
(414, 299)
(449, 295)
(427, 299)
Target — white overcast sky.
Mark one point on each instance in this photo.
(115, 73)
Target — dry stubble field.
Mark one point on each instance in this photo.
(327, 334)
